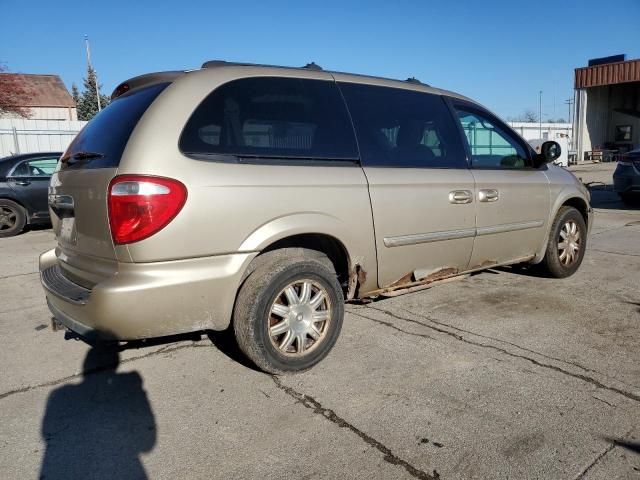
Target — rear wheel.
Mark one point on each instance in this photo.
(566, 245)
(12, 218)
(289, 311)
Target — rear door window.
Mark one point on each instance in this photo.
(108, 132)
(403, 128)
(271, 117)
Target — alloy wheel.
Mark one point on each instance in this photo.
(299, 317)
(8, 218)
(569, 243)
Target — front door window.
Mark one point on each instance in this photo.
(490, 145)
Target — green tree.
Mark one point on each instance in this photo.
(75, 93)
(87, 103)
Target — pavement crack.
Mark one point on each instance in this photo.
(457, 336)
(525, 349)
(615, 253)
(264, 393)
(391, 325)
(99, 369)
(312, 404)
(595, 461)
(19, 275)
(604, 401)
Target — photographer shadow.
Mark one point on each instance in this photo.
(99, 427)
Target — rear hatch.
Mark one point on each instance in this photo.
(79, 187)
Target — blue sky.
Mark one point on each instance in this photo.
(500, 52)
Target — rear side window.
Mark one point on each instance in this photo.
(403, 128)
(272, 117)
(108, 132)
(42, 167)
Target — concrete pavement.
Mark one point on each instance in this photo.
(499, 375)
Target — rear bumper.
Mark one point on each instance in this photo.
(626, 183)
(147, 300)
(626, 178)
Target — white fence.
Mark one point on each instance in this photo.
(18, 135)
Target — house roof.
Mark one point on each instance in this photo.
(44, 90)
(608, 74)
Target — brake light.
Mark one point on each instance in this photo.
(120, 89)
(140, 206)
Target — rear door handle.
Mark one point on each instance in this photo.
(23, 183)
(488, 195)
(460, 196)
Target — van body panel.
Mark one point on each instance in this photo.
(515, 224)
(410, 204)
(79, 214)
(394, 223)
(161, 298)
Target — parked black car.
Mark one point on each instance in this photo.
(24, 184)
(626, 177)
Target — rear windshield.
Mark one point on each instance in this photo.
(108, 132)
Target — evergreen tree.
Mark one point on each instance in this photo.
(87, 103)
(75, 93)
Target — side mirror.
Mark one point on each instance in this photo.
(549, 152)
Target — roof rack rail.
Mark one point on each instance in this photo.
(313, 66)
(214, 63)
(309, 66)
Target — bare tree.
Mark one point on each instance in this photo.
(529, 116)
(13, 94)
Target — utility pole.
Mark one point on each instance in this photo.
(540, 113)
(569, 103)
(86, 43)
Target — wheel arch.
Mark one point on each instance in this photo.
(332, 247)
(320, 232)
(579, 204)
(570, 199)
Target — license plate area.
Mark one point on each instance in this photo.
(63, 208)
(67, 232)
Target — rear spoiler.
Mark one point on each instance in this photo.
(145, 81)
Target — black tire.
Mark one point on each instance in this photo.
(552, 265)
(270, 274)
(628, 198)
(12, 218)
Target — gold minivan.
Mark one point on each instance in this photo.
(264, 197)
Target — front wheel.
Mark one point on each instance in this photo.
(289, 311)
(566, 245)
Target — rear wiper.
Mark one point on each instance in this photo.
(82, 156)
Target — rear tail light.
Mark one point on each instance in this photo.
(140, 206)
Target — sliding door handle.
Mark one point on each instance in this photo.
(488, 195)
(460, 196)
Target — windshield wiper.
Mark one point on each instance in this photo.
(82, 156)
